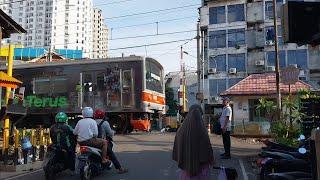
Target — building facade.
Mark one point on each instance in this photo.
(53, 24)
(100, 35)
(239, 41)
(172, 80)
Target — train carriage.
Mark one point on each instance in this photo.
(129, 89)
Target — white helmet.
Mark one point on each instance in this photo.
(87, 112)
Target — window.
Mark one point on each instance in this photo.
(233, 81)
(217, 15)
(236, 37)
(237, 61)
(217, 86)
(217, 39)
(59, 85)
(41, 86)
(298, 57)
(235, 13)
(218, 62)
(270, 33)
(269, 9)
(271, 59)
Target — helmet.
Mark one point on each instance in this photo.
(61, 117)
(87, 112)
(98, 114)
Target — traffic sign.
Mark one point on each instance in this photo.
(290, 75)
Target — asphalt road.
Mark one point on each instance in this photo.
(148, 157)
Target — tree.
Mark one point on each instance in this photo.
(171, 102)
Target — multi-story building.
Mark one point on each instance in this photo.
(53, 24)
(239, 41)
(100, 35)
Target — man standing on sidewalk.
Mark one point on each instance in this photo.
(225, 121)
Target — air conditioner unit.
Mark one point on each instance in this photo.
(212, 70)
(232, 70)
(302, 73)
(259, 63)
(270, 43)
(295, 65)
(271, 68)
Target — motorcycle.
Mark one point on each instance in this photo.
(296, 175)
(90, 162)
(55, 161)
(283, 159)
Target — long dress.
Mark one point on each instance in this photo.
(204, 174)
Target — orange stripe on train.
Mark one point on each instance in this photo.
(149, 97)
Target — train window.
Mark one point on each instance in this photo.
(126, 84)
(127, 88)
(42, 86)
(59, 85)
(100, 82)
(153, 77)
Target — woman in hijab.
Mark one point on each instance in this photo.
(192, 148)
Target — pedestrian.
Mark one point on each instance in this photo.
(192, 148)
(225, 122)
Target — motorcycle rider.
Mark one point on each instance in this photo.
(87, 132)
(62, 138)
(105, 132)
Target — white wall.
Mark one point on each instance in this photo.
(240, 109)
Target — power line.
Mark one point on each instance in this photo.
(137, 46)
(82, 22)
(150, 12)
(161, 21)
(151, 35)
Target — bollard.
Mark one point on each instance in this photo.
(6, 134)
(315, 151)
(16, 145)
(41, 152)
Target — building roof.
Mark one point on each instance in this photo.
(9, 26)
(173, 78)
(8, 81)
(262, 84)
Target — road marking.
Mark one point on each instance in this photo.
(21, 175)
(244, 173)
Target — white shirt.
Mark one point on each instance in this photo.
(227, 111)
(86, 129)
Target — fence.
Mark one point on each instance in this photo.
(25, 146)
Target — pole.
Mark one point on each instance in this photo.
(275, 24)
(198, 58)
(6, 132)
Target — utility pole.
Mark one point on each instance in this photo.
(198, 59)
(181, 93)
(275, 24)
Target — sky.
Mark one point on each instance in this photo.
(181, 19)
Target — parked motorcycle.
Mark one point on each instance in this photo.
(90, 162)
(297, 175)
(56, 161)
(279, 159)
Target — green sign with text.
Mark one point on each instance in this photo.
(41, 102)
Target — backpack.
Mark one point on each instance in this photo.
(100, 129)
